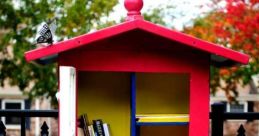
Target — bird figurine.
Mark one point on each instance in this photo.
(46, 32)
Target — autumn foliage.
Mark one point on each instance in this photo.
(236, 26)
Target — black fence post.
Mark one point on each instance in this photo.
(217, 119)
(2, 129)
(44, 129)
(241, 131)
(23, 129)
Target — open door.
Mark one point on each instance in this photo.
(67, 101)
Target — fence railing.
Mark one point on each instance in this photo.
(23, 114)
(218, 116)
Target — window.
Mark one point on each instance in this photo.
(12, 122)
(240, 107)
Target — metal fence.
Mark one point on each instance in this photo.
(23, 114)
(217, 116)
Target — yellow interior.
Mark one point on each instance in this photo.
(162, 93)
(106, 96)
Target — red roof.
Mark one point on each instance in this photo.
(218, 53)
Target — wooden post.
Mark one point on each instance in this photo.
(2, 129)
(217, 119)
(67, 101)
(44, 129)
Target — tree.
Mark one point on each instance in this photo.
(155, 16)
(235, 26)
(18, 26)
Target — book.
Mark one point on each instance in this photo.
(98, 127)
(106, 129)
(84, 123)
(91, 130)
(80, 132)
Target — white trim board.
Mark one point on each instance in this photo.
(67, 101)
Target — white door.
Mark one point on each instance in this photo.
(67, 101)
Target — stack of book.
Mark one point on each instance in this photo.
(97, 128)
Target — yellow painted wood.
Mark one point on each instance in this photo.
(163, 118)
(162, 93)
(106, 96)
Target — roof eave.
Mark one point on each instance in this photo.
(176, 36)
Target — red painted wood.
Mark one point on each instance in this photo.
(142, 57)
(160, 31)
(199, 101)
(133, 7)
(76, 101)
(131, 61)
(150, 54)
(79, 41)
(148, 60)
(194, 42)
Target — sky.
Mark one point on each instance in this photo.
(183, 12)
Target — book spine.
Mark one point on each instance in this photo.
(106, 129)
(84, 123)
(91, 130)
(98, 127)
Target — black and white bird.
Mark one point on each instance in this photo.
(46, 32)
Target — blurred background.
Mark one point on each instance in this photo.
(230, 23)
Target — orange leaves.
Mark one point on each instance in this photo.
(227, 71)
(224, 72)
(255, 52)
(248, 47)
(241, 26)
(236, 7)
(235, 26)
(254, 2)
(257, 41)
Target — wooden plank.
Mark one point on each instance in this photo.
(67, 101)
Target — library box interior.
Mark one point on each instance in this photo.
(160, 101)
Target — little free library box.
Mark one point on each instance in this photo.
(140, 78)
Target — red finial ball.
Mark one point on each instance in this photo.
(134, 7)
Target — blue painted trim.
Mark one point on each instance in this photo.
(162, 123)
(133, 104)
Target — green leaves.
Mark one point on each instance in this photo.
(18, 25)
(155, 16)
